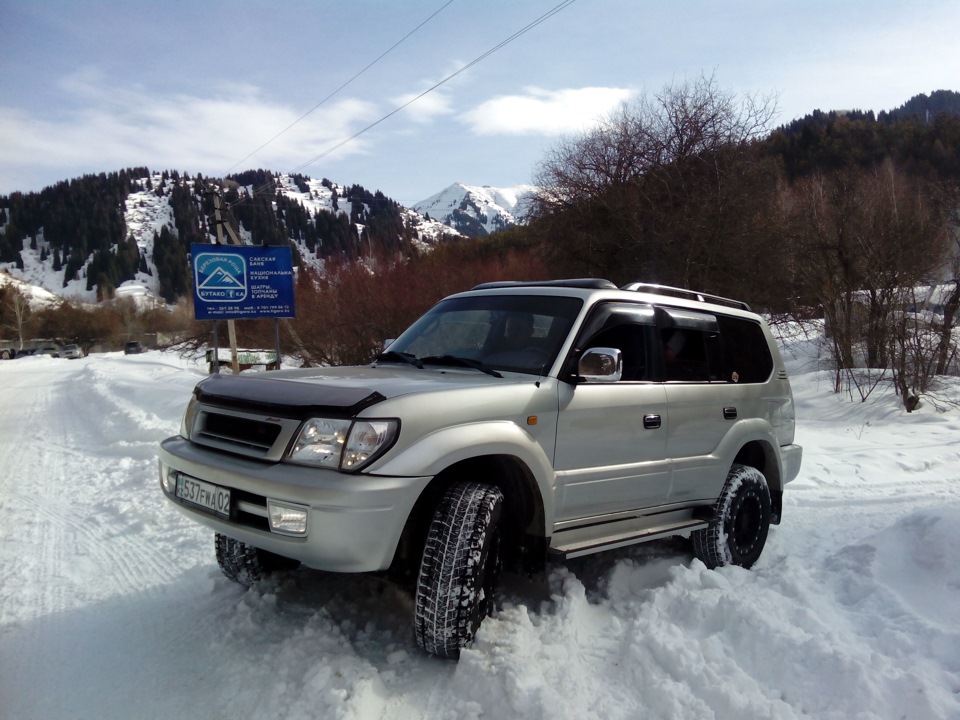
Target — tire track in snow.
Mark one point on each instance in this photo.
(76, 492)
(135, 567)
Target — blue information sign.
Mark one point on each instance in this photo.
(233, 282)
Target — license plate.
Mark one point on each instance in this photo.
(210, 497)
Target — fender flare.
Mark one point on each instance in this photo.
(433, 453)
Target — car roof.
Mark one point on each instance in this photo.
(599, 289)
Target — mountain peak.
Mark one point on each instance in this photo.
(478, 210)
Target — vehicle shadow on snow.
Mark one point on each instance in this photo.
(146, 654)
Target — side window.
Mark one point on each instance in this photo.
(632, 343)
(747, 357)
(691, 355)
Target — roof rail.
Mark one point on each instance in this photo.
(684, 294)
(584, 283)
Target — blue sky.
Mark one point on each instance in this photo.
(89, 86)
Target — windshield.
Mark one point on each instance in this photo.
(518, 333)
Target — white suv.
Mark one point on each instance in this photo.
(511, 424)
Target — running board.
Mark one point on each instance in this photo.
(575, 543)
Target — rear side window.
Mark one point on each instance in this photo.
(746, 356)
(713, 348)
(691, 355)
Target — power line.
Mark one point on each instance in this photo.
(335, 92)
(546, 16)
(519, 33)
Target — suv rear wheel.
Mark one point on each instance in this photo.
(460, 568)
(739, 531)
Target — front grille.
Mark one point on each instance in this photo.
(241, 433)
(254, 434)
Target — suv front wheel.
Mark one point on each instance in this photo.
(741, 523)
(460, 568)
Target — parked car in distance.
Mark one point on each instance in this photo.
(71, 351)
(51, 351)
(134, 347)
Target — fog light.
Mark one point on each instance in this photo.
(287, 519)
(168, 478)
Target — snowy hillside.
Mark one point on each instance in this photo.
(112, 606)
(477, 211)
(147, 212)
(37, 297)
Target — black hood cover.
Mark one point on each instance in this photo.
(285, 398)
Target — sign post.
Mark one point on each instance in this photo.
(238, 282)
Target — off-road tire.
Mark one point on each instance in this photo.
(742, 520)
(456, 586)
(247, 565)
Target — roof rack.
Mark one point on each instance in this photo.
(684, 294)
(584, 283)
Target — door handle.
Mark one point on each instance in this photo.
(651, 422)
(729, 413)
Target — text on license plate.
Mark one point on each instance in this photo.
(212, 497)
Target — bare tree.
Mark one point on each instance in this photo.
(17, 312)
(658, 188)
(868, 238)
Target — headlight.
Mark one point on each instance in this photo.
(367, 438)
(342, 444)
(189, 418)
(320, 442)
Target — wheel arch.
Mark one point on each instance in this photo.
(524, 522)
(762, 455)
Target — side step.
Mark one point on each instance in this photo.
(586, 541)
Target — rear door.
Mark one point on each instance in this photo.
(713, 380)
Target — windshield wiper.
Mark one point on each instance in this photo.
(393, 355)
(462, 361)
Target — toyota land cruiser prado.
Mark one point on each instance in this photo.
(510, 425)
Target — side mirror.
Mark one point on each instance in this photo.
(600, 365)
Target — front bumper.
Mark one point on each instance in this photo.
(354, 522)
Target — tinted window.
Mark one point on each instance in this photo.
(745, 351)
(691, 355)
(631, 340)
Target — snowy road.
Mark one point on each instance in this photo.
(111, 604)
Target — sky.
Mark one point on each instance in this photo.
(89, 86)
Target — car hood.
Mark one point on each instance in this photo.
(338, 391)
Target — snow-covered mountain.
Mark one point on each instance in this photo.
(478, 210)
(458, 211)
(147, 212)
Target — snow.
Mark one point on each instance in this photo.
(494, 208)
(111, 604)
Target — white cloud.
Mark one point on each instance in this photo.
(113, 127)
(544, 112)
(425, 109)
